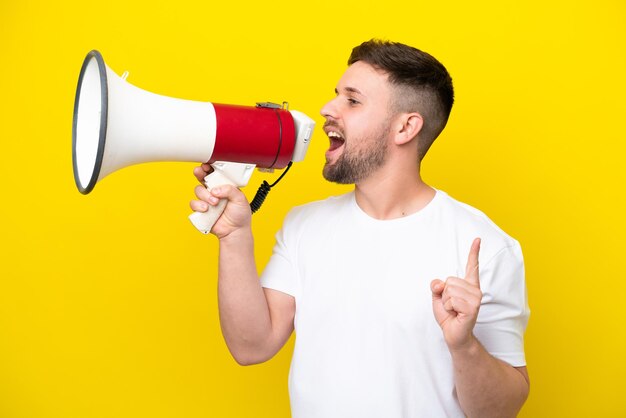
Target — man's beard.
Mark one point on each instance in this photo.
(353, 166)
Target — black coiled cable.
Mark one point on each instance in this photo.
(264, 190)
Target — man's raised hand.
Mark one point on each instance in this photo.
(456, 302)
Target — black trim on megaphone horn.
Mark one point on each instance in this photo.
(104, 107)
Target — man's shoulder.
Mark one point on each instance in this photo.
(314, 218)
(474, 221)
(320, 208)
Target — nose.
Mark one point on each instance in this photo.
(329, 110)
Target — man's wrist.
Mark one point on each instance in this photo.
(468, 349)
(237, 236)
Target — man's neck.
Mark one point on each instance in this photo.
(393, 195)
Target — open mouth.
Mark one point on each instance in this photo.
(336, 140)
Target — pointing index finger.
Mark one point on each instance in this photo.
(471, 270)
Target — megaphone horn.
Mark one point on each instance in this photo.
(117, 125)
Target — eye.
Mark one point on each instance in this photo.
(353, 102)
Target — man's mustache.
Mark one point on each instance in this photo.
(330, 124)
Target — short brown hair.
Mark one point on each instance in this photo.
(423, 84)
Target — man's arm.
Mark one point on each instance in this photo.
(255, 322)
(486, 386)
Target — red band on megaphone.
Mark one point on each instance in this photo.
(257, 135)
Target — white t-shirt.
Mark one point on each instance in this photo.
(367, 343)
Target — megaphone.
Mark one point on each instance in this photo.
(117, 125)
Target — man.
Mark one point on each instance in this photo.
(393, 316)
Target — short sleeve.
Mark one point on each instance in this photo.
(504, 311)
(281, 273)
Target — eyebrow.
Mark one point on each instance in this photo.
(350, 89)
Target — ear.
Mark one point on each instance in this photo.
(409, 126)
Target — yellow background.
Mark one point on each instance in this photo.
(108, 301)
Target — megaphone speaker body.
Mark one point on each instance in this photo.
(117, 125)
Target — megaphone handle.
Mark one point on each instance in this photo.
(235, 174)
(204, 221)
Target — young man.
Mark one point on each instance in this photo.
(393, 316)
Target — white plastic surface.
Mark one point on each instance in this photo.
(146, 127)
(88, 124)
(304, 131)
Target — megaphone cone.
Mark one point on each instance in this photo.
(117, 124)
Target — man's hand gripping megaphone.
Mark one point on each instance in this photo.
(226, 198)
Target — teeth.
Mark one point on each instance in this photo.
(333, 134)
